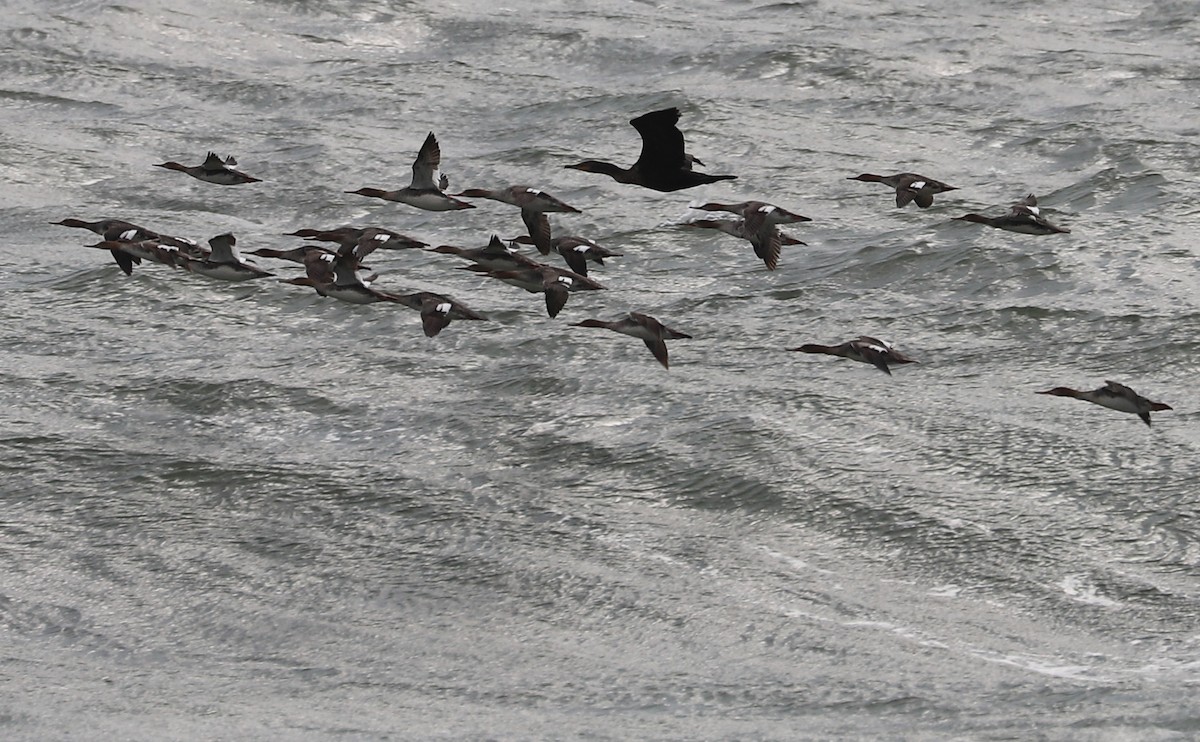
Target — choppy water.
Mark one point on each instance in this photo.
(244, 512)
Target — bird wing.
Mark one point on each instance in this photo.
(538, 225)
(556, 298)
(576, 258)
(429, 159)
(223, 250)
(662, 141)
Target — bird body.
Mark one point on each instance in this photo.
(1114, 396)
(427, 190)
(644, 327)
(495, 256)
(556, 283)
(1024, 217)
(865, 349)
(213, 170)
(759, 225)
(534, 205)
(909, 187)
(436, 310)
(224, 262)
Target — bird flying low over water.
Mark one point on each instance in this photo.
(1114, 396)
(1024, 217)
(663, 165)
(909, 187)
(494, 256)
(533, 205)
(224, 262)
(364, 239)
(213, 170)
(644, 327)
(865, 349)
(759, 225)
(129, 253)
(576, 251)
(539, 278)
(436, 310)
(337, 275)
(118, 235)
(428, 187)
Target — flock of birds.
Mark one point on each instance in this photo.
(333, 258)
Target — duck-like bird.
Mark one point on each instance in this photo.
(225, 262)
(121, 231)
(377, 238)
(436, 310)
(494, 256)
(556, 283)
(760, 226)
(576, 251)
(213, 170)
(909, 187)
(663, 165)
(533, 205)
(1024, 217)
(644, 327)
(428, 188)
(336, 275)
(865, 349)
(128, 253)
(1114, 396)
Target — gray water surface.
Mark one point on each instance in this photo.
(242, 511)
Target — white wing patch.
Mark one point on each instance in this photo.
(918, 185)
(128, 235)
(443, 308)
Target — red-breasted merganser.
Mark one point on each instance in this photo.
(436, 310)
(576, 251)
(533, 205)
(1114, 396)
(427, 190)
(768, 251)
(760, 226)
(336, 275)
(127, 253)
(119, 230)
(909, 187)
(495, 256)
(1024, 217)
(123, 231)
(865, 350)
(294, 255)
(555, 283)
(225, 263)
(100, 226)
(662, 165)
(377, 238)
(213, 170)
(737, 228)
(644, 327)
(363, 242)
